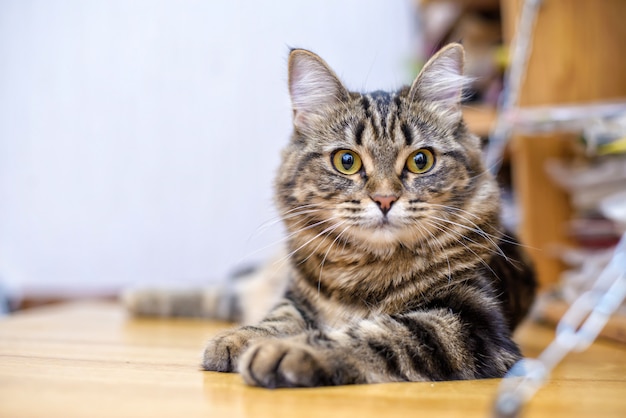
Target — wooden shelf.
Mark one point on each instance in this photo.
(577, 56)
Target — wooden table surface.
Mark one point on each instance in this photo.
(91, 360)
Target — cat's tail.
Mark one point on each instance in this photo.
(217, 302)
(245, 297)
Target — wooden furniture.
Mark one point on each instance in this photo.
(91, 360)
(577, 57)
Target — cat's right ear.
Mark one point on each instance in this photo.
(441, 82)
(313, 87)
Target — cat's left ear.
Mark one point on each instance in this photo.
(441, 81)
(313, 87)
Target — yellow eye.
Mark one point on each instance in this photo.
(347, 162)
(420, 161)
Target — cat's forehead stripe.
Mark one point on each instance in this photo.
(381, 98)
(382, 103)
(365, 102)
(358, 133)
(408, 134)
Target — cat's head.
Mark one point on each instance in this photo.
(382, 169)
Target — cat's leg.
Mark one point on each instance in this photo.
(306, 360)
(222, 352)
(421, 346)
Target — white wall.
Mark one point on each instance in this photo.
(138, 139)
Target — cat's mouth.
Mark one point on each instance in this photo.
(377, 223)
(391, 220)
(388, 228)
(384, 222)
(383, 230)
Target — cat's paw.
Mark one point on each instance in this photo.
(283, 363)
(222, 352)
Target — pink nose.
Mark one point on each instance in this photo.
(384, 202)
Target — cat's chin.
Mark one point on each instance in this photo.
(379, 238)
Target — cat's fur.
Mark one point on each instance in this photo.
(392, 275)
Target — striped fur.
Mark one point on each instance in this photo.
(429, 290)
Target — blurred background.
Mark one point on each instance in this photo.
(139, 140)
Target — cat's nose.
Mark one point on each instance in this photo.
(384, 202)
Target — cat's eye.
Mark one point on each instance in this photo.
(347, 162)
(420, 161)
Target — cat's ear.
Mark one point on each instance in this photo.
(313, 87)
(441, 81)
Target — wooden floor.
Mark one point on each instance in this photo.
(91, 360)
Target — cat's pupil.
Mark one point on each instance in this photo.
(347, 161)
(420, 160)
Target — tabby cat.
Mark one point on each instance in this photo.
(398, 268)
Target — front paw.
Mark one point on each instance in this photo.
(222, 352)
(283, 363)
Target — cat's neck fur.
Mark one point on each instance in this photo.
(359, 275)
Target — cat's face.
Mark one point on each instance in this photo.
(381, 169)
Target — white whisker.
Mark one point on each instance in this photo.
(326, 255)
(294, 212)
(477, 229)
(286, 237)
(453, 232)
(322, 233)
(483, 262)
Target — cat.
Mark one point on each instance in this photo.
(398, 268)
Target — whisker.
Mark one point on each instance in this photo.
(335, 227)
(323, 232)
(319, 282)
(302, 210)
(465, 237)
(504, 238)
(483, 262)
(286, 237)
(448, 207)
(477, 229)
